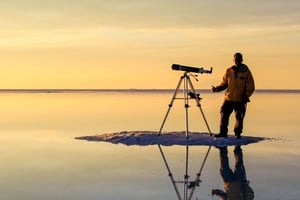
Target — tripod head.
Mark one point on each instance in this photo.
(191, 69)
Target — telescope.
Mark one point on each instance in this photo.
(191, 69)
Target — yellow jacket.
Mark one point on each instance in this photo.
(239, 83)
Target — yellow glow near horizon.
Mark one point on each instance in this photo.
(132, 45)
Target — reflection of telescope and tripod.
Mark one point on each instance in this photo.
(189, 92)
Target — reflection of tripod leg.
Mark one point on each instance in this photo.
(170, 173)
(199, 105)
(171, 104)
(197, 180)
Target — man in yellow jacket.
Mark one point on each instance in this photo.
(239, 85)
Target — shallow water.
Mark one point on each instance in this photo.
(42, 160)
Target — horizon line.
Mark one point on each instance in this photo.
(87, 90)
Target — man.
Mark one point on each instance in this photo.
(236, 184)
(239, 83)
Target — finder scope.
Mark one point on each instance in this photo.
(191, 69)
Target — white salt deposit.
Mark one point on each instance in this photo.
(143, 138)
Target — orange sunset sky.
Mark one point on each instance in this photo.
(132, 44)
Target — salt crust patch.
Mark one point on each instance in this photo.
(143, 138)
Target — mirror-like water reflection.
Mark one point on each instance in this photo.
(236, 184)
(40, 159)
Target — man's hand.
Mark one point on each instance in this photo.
(246, 99)
(213, 89)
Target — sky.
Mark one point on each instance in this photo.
(121, 44)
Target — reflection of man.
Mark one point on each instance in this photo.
(235, 182)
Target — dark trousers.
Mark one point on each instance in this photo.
(227, 108)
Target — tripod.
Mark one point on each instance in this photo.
(185, 78)
(187, 85)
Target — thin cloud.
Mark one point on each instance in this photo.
(156, 14)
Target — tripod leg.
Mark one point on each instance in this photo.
(170, 105)
(199, 105)
(186, 106)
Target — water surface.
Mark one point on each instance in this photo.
(42, 160)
